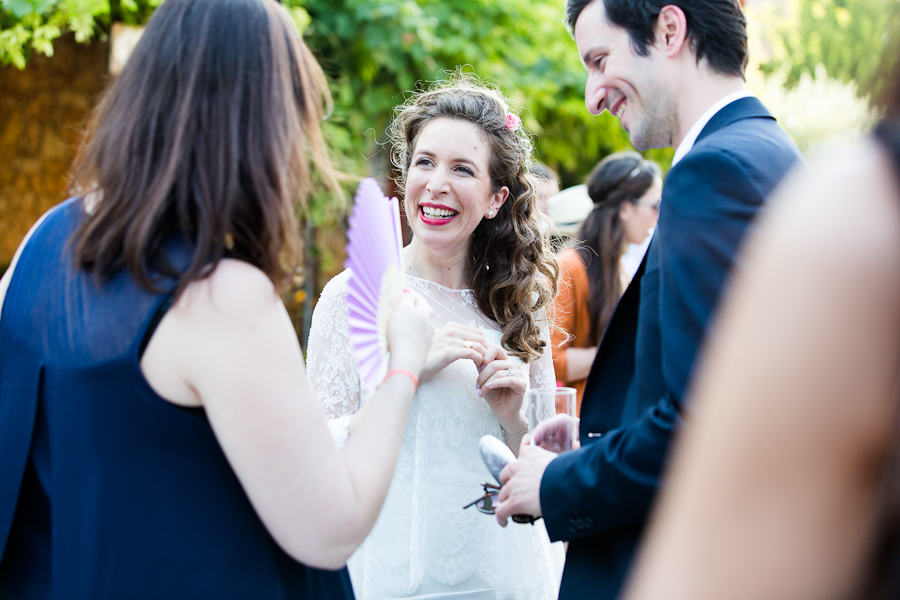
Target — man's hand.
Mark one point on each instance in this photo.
(521, 480)
(557, 434)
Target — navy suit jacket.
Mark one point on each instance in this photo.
(599, 497)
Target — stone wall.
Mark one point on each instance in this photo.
(42, 113)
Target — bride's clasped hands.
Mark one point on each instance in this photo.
(452, 342)
(501, 382)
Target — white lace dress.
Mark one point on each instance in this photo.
(424, 545)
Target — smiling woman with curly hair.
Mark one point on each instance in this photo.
(479, 257)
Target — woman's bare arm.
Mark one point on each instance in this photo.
(228, 344)
(7, 276)
(772, 489)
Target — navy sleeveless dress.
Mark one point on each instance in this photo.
(106, 489)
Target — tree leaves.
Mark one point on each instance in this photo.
(375, 51)
(12, 43)
(847, 37)
(21, 8)
(28, 26)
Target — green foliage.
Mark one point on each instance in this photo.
(847, 37)
(375, 51)
(28, 26)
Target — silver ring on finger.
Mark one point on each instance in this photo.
(508, 373)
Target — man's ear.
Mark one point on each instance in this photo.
(671, 30)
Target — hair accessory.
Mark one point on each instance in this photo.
(415, 379)
(513, 122)
(637, 169)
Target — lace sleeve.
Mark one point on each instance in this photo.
(542, 373)
(330, 363)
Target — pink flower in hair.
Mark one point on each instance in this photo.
(512, 122)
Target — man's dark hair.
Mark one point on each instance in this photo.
(717, 29)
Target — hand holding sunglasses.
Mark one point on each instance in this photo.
(486, 504)
(496, 455)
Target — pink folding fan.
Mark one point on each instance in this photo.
(376, 277)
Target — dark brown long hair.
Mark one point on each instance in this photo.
(207, 133)
(512, 269)
(618, 178)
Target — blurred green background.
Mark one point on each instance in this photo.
(816, 63)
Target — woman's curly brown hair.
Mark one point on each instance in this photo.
(512, 270)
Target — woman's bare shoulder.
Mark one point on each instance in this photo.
(234, 288)
(840, 215)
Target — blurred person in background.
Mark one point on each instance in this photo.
(567, 209)
(546, 183)
(625, 190)
(786, 484)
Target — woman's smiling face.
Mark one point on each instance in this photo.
(448, 185)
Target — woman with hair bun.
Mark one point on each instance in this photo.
(479, 257)
(625, 189)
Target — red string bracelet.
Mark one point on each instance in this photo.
(415, 379)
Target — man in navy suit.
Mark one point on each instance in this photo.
(673, 73)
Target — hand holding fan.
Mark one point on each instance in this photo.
(376, 277)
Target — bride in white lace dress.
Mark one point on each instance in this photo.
(479, 258)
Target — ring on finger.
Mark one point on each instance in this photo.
(508, 373)
(467, 344)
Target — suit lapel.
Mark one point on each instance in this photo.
(743, 108)
(623, 322)
(626, 311)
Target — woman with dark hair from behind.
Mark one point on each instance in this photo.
(786, 484)
(158, 436)
(625, 189)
